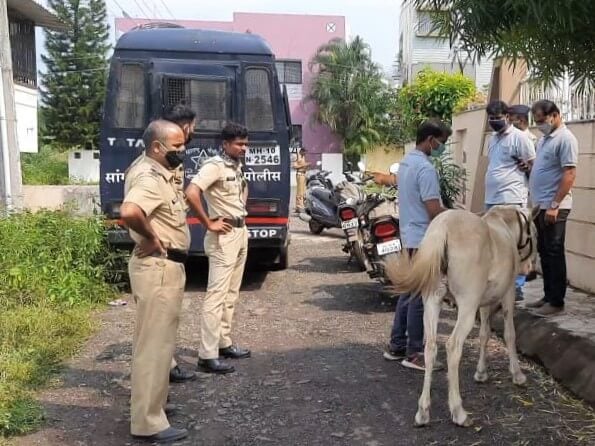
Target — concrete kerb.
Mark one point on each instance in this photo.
(568, 357)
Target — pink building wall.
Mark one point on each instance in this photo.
(292, 37)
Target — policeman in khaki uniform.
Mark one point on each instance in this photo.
(184, 117)
(300, 165)
(154, 211)
(222, 183)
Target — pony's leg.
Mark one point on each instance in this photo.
(481, 373)
(454, 348)
(510, 338)
(431, 316)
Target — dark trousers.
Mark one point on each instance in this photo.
(550, 244)
(408, 326)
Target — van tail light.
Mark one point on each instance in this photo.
(262, 207)
(347, 214)
(385, 230)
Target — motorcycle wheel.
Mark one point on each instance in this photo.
(315, 227)
(383, 278)
(360, 256)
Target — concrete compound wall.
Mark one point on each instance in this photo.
(84, 200)
(469, 151)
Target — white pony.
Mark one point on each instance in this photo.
(480, 257)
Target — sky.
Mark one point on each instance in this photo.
(374, 20)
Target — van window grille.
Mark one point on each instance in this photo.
(208, 99)
(259, 108)
(130, 97)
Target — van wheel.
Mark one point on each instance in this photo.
(315, 227)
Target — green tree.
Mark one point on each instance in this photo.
(350, 93)
(73, 86)
(433, 94)
(552, 36)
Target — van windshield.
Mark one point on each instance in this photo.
(207, 97)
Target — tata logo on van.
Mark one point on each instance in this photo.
(258, 233)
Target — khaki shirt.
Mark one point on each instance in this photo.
(300, 164)
(222, 182)
(152, 187)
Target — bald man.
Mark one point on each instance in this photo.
(154, 211)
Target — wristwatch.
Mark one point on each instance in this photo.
(554, 205)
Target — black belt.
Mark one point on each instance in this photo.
(301, 173)
(174, 255)
(236, 222)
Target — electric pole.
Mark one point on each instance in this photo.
(10, 163)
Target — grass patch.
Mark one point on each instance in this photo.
(48, 167)
(53, 272)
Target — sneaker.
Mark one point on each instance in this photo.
(537, 304)
(549, 310)
(417, 362)
(391, 354)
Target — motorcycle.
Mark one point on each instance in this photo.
(379, 223)
(349, 213)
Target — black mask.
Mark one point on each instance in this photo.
(498, 124)
(174, 158)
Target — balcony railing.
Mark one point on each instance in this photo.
(575, 104)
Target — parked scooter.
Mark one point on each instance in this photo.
(323, 199)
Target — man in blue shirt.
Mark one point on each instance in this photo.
(505, 181)
(419, 203)
(552, 176)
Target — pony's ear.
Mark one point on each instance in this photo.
(535, 212)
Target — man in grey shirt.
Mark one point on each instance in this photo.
(552, 176)
(505, 181)
(419, 203)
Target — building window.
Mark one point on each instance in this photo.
(289, 71)
(130, 97)
(425, 25)
(22, 43)
(208, 98)
(259, 107)
(296, 131)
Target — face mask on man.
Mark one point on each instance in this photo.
(173, 157)
(438, 151)
(545, 128)
(497, 124)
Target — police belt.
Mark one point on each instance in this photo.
(174, 255)
(236, 222)
(301, 173)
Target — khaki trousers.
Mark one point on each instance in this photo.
(227, 259)
(301, 191)
(158, 289)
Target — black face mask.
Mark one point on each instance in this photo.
(174, 158)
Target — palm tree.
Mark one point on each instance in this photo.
(349, 92)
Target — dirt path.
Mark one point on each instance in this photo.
(316, 377)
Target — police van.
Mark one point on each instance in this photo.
(223, 77)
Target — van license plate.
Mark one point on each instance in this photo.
(350, 224)
(389, 247)
(263, 156)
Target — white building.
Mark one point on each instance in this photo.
(420, 47)
(23, 17)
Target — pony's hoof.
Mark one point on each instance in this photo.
(519, 379)
(462, 419)
(422, 418)
(480, 377)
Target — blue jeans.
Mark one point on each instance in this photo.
(520, 279)
(408, 327)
